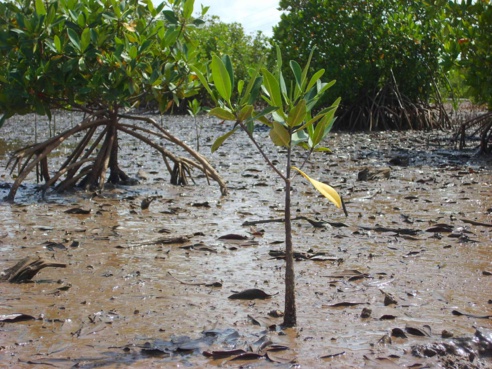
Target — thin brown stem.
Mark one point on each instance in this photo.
(290, 313)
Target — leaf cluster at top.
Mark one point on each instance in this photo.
(103, 54)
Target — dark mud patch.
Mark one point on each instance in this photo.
(142, 283)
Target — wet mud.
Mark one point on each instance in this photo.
(404, 281)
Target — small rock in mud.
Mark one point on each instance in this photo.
(250, 294)
(446, 334)
(276, 313)
(389, 299)
(141, 174)
(146, 202)
(366, 313)
(372, 174)
(402, 161)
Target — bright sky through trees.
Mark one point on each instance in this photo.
(254, 15)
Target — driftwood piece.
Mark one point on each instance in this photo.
(27, 268)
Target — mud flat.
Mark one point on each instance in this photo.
(404, 281)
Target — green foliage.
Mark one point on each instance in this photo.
(468, 46)
(454, 87)
(247, 51)
(103, 54)
(365, 45)
(194, 108)
(102, 58)
(292, 122)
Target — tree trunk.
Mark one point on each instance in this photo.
(486, 137)
(94, 179)
(116, 174)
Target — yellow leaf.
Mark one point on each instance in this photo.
(327, 191)
(130, 26)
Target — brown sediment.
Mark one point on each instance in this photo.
(421, 236)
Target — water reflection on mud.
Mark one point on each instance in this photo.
(421, 236)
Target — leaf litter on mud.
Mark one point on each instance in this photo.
(397, 231)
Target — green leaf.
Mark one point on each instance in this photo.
(204, 9)
(228, 64)
(57, 42)
(170, 37)
(322, 149)
(19, 31)
(265, 121)
(316, 76)
(283, 86)
(219, 141)
(150, 5)
(280, 135)
(74, 38)
(313, 97)
(310, 122)
(303, 144)
(327, 191)
(319, 132)
(160, 7)
(272, 87)
(250, 126)
(204, 82)
(240, 86)
(85, 40)
(245, 113)
(279, 58)
(116, 8)
(133, 52)
(221, 78)
(306, 68)
(81, 20)
(82, 64)
(170, 16)
(198, 22)
(335, 105)
(297, 115)
(40, 8)
(325, 86)
(188, 8)
(296, 68)
(254, 92)
(252, 89)
(222, 113)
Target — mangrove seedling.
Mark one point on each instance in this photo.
(289, 115)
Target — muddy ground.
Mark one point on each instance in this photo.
(404, 281)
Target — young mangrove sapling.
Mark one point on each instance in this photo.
(292, 122)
